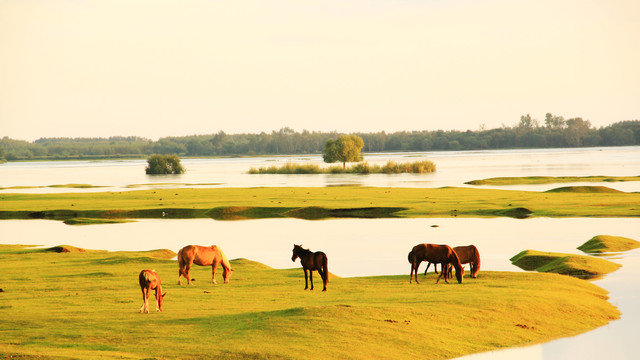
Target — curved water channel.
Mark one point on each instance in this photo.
(386, 241)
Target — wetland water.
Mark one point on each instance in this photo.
(386, 241)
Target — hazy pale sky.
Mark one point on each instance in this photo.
(155, 68)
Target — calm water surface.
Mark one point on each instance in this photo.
(453, 169)
(386, 242)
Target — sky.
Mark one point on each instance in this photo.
(157, 68)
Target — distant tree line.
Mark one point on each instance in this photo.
(552, 132)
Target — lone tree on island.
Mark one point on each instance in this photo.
(163, 164)
(344, 149)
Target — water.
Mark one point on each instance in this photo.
(453, 169)
(387, 240)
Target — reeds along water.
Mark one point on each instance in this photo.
(391, 167)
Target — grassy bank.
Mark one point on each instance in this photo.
(607, 243)
(535, 180)
(580, 266)
(85, 305)
(317, 203)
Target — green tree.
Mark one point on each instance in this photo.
(346, 148)
(164, 164)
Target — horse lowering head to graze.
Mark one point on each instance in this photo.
(205, 256)
(469, 255)
(432, 253)
(150, 280)
(312, 261)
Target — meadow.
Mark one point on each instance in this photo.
(84, 304)
(317, 203)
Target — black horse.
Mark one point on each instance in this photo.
(312, 261)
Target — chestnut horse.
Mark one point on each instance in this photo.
(205, 256)
(432, 253)
(150, 280)
(312, 261)
(467, 255)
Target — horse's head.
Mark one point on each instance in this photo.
(297, 249)
(460, 274)
(161, 300)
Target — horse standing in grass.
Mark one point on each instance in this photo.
(312, 261)
(432, 253)
(204, 256)
(467, 255)
(150, 280)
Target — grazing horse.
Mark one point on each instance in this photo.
(442, 254)
(150, 280)
(467, 255)
(205, 256)
(312, 261)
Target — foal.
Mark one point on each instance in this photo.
(150, 280)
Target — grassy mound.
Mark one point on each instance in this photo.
(85, 305)
(585, 190)
(93, 221)
(580, 266)
(607, 243)
(535, 180)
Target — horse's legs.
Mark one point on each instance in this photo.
(306, 281)
(145, 300)
(414, 268)
(157, 300)
(323, 276)
(214, 267)
(311, 278)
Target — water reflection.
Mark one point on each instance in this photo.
(454, 169)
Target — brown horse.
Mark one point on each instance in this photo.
(467, 255)
(442, 254)
(150, 280)
(312, 261)
(205, 256)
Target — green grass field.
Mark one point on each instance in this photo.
(85, 305)
(238, 203)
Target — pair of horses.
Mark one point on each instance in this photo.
(446, 257)
(212, 255)
(187, 256)
(468, 255)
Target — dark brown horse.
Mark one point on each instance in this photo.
(150, 280)
(467, 255)
(432, 253)
(312, 261)
(205, 256)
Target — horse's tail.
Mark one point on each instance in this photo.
(181, 263)
(476, 267)
(325, 266)
(411, 257)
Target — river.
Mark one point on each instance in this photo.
(388, 240)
